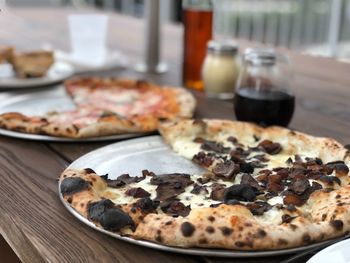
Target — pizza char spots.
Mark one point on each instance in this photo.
(187, 229)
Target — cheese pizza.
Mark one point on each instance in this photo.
(107, 107)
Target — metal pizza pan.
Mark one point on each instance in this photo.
(133, 156)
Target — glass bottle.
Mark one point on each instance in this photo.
(264, 89)
(197, 19)
(220, 69)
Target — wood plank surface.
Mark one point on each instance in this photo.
(32, 219)
(36, 224)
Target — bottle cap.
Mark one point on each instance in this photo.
(222, 47)
(260, 56)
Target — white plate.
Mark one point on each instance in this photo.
(337, 253)
(58, 72)
(133, 156)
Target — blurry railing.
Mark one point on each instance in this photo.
(295, 24)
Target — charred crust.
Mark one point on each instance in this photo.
(72, 185)
(337, 224)
(226, 231)
(168, 223)
(210, 229)
(211, 218)
(187, 229)
(261, 233)
(324, 216)
(89, 171)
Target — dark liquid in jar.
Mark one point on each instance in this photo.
(264, 107)
(198, 31)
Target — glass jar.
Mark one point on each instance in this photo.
(220, 69)
(264, 89)
(197, 19)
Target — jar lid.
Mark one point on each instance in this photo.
(260, 56)
(222, 47)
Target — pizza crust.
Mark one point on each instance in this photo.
(326, 215)
(293, 142)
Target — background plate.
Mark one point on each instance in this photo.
(58, 72)
(39, 102)
(338, 253)
(152, 154)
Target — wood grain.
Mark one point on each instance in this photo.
(32, 213)
(32, 219)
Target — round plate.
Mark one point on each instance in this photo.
(152, 154)
(58, 72)
(339, 253)
(41, 102)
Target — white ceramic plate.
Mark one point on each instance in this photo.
(58, 72)
(337, 253)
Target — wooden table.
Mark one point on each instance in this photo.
(33, 221)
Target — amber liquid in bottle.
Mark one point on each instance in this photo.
(198, 31)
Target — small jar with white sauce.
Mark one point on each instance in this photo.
(220, 69)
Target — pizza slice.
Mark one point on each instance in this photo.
(107, 107)
(142, 102)
(80, 123)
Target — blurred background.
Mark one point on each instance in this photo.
(319, 27)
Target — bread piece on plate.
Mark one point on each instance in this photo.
(32, 64)
(6, 53)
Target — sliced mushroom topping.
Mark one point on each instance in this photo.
(240, 192)
(340, 168)
(170, 185)
(270, 147)
(218, 191)
(146, 205)
(124, 179)
(274, 188)
(199, 189)
(206, 178)
(214, 147)
(293, 199)
(203, 159)
(246, 168)
(330, 180)
(227, 170)
(299, 186)
(147, 173)
(137, 192)
(258, 208)
(175, 208)
(249, 180)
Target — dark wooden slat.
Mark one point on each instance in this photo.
(29, 196)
